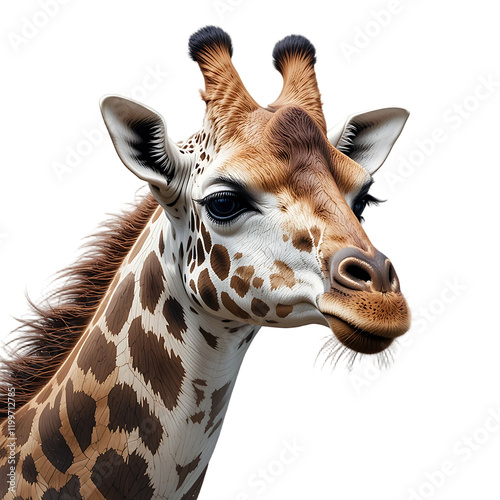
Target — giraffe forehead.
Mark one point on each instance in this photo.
(305, 177)
(290, 152)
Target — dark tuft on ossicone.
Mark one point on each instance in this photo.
(293, 46)
(207, 38)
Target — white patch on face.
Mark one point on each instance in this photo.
(256, 243)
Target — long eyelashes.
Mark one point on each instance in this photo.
(225, 206)
(361, 202)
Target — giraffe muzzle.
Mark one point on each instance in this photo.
(354, 269)
(364, 307)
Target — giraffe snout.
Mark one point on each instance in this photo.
(355, 269)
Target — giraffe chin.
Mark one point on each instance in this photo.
(356, 339)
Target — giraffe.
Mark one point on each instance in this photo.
(122, 386)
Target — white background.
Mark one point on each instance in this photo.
(359, 434)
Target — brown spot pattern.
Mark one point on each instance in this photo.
(162, 370)
(71, 490)
(246, 272)
(161, 243)
(4, 485)
(247, 339)
(210, 339)
(118, 479)
(302, 241)
(284, 277)
(200, 253)
(259, 308)
(174, 314)
(232, 307)
(220, 262)
(239, 286)
(283, 310)
(28, 470)
(215, 427)
(81, 414)
(316, 235)
(119, 308)
(24, 422)
(54, 446)
(197, 417)
(184, 470)
(151, 282)
(207, 240)
(257, 282)
(219, 399)
(208, 293)
(240, 282)
(194, 491)
(200, 393)
(97, 355)
(126, 413)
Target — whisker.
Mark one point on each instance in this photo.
(333, 351)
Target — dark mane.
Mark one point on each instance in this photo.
(50, 334)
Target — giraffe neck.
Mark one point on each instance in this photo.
(144, 392)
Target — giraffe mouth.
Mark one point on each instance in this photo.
(355, 338)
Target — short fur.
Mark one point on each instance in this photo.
(295, 57)
(228, 101)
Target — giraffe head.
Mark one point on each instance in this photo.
(265, 205)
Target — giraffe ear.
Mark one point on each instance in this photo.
(140, 139)
(367, 138)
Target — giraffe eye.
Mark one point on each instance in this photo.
(361, 203)
(224, 207)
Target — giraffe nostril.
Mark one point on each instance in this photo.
(357, 272)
